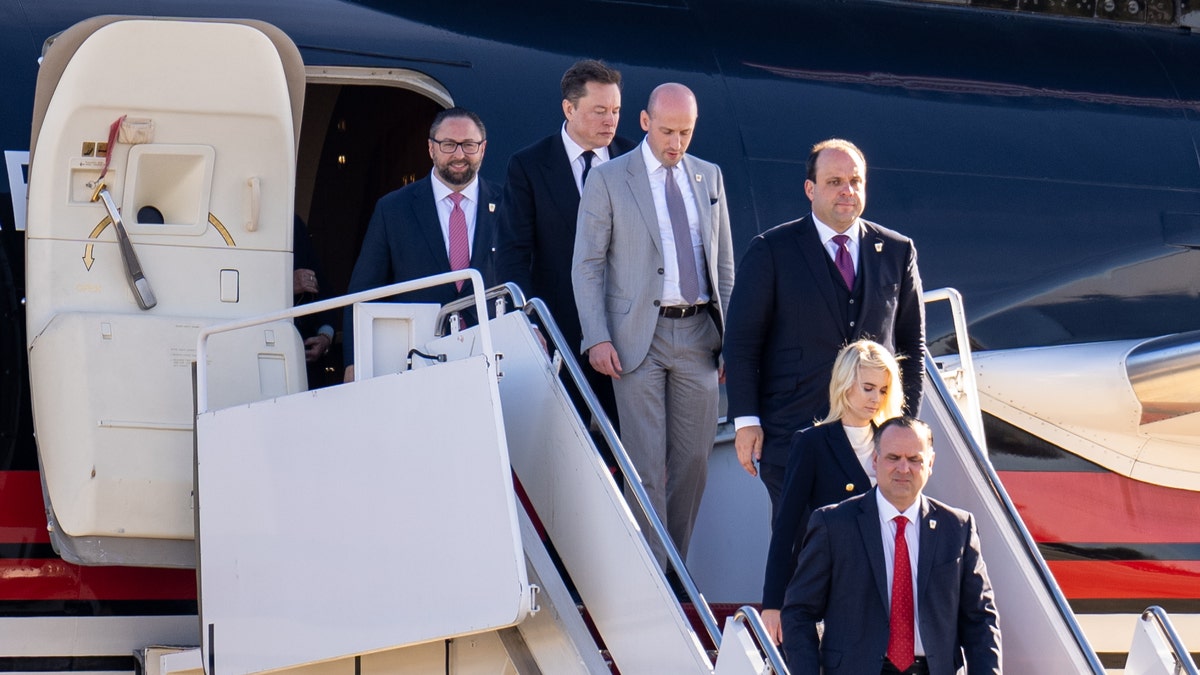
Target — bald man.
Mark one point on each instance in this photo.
(653, 270)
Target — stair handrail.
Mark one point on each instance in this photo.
(974, 412)
(750, 616)
(1184, 664)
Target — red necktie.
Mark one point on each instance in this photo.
(844, 262)
(460, 247)
(900, 624)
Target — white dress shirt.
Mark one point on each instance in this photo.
(575, 157)
(658, 175)
(912, 536)
(470, 203)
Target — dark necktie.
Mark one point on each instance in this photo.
(689, 281)
(844, 262)
(900, 624)
(460, 246)
(588, 156)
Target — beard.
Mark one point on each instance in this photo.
(457, 176)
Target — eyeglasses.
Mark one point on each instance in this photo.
(468, 147)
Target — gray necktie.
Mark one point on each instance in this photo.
(689, 282)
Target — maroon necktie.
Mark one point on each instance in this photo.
(844, 262)
(460, 246)
(900, 624)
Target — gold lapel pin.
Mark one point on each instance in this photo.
(849, 487)
(492, 209)
(879, 247)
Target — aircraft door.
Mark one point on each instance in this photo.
(161, 187)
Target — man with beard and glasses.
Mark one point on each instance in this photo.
(441, 223)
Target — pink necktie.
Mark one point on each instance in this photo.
(460, 247)
(844, 262)
(900, 624)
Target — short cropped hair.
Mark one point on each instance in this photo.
(835, 144)
(922, 430)
(456, 111)
(577, 77)
(864, 354)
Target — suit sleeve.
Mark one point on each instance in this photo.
(372, 270)
(789, 527)
(593, 237)
(807, 597)
(910, 334)
(515, 234)
(749, 319)
(725, 269)
(978, 620)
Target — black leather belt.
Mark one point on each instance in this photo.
(681, 311)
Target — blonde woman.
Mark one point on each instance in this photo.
(831, 460)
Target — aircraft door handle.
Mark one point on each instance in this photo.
(138, 283)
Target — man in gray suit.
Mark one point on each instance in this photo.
(653, 270)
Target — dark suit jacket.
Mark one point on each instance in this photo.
(822, 469)
(535, 237)
(785, 328)
(404, 241)
(841, 578)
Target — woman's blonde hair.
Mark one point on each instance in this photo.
(864, 354)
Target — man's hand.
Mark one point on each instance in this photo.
(316, 346)
(748, 442)
(349, 373)
(304, 281)
(770, 619)
(604, 360)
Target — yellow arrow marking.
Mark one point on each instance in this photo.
(88, 259)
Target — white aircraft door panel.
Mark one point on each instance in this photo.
(190, 127)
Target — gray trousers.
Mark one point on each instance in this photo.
(668, 410)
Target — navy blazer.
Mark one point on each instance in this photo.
(535, 236)
(404, 241)
(785, 327)
(841, 578)
(822, 469)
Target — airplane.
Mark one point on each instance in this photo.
(1043, 157)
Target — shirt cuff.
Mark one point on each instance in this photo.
(746, 421)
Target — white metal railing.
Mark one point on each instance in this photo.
(467, 274)
(965, 390)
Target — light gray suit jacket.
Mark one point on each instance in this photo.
(618, 262)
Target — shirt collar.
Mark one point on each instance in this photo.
(826, 232)
(440, 191)
(887, 512)
(574, 150)
(652, 163)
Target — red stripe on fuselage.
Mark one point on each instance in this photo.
(54, 579)
(1093, 579)
(1100, 508)
(22, 515)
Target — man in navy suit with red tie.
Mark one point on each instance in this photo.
(804, 290)
(441, 223)
(897, 577)
(536, 237)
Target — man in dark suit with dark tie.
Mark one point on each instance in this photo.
(897, 577)
(536, 235)
(441, 223)
(805, 289)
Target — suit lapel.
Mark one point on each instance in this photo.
(843, 454)
(428, 225)
(559, 177)
(484, 223)
(868, 525)
(815, 257)
(639, 184)
(870, 259)
(704, 219)
(928, 543)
